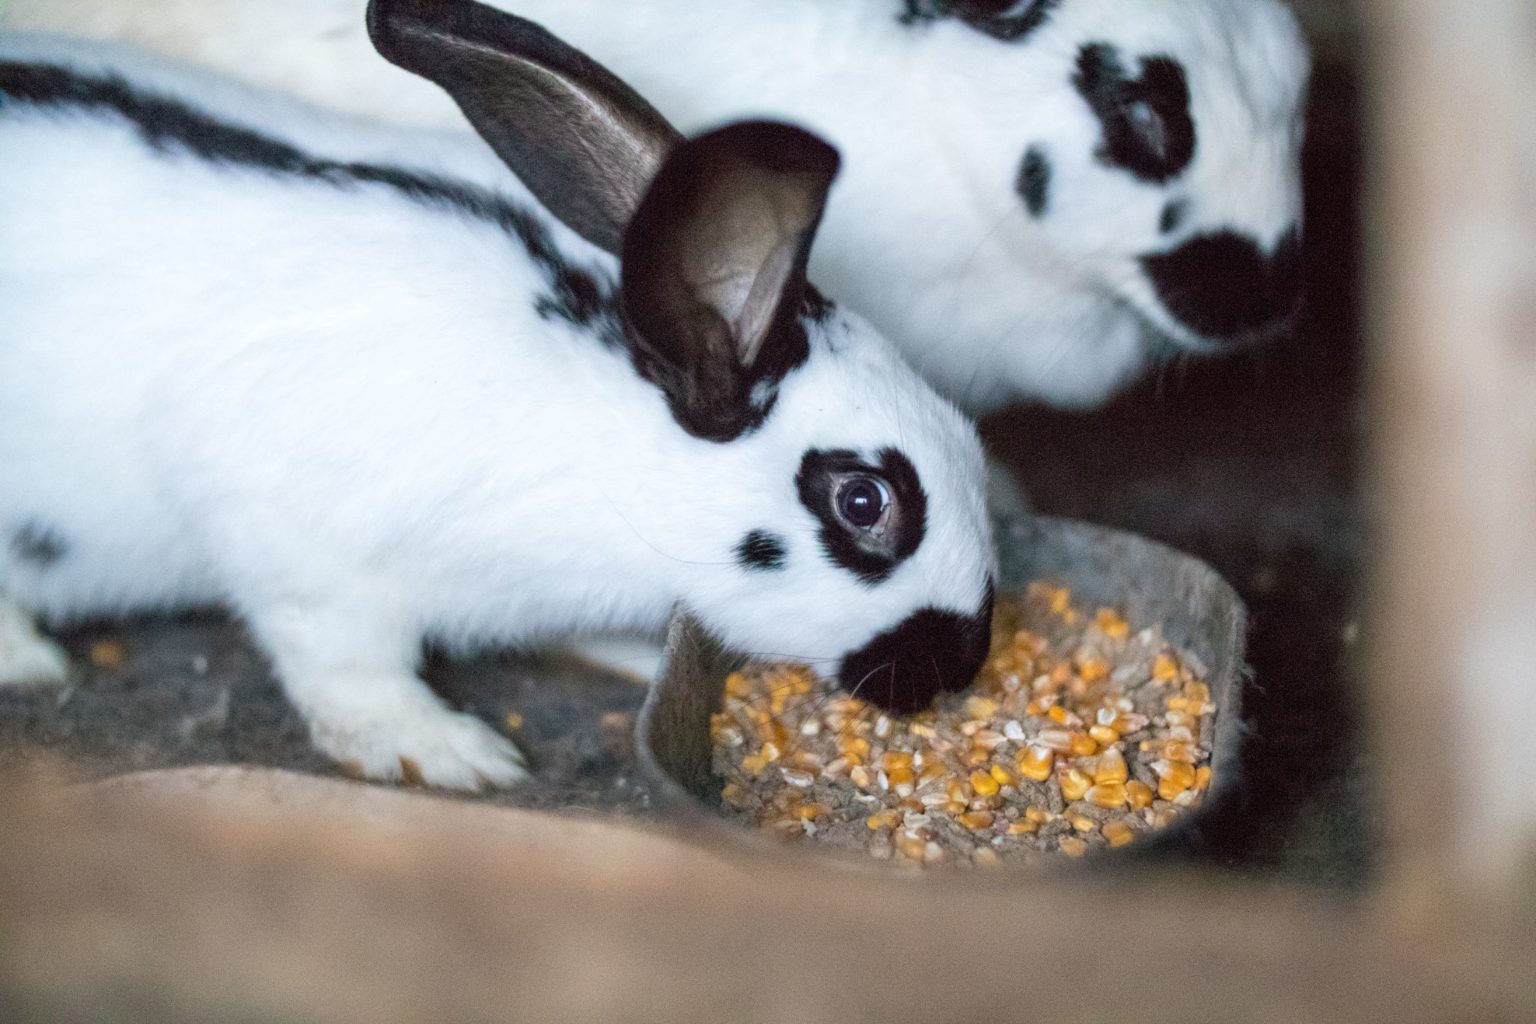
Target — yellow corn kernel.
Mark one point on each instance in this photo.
(956, 806)
(1038, 815)
(1164, 668)
(1061, 716)
(1074, 783)
(1174, 777)
(983, 783)
(1003, 776)
(1111, 767)
(1083, 745)
(1093, 669)
(901, 780)
(1072, 846)
(894, 759)
(886, 818)
(1082, 823)
(1138, 795)
(1061, 600)
(1059, 740)
(1035, 762)
(932, 772)
(771, 751)
(976, 757)
(1130, 722)
(861, 776)
(1203, 778)
(980, 707)
(976, 820)
(1178, 750)
(854, 747)
(807, 812)
(1108, 620)
(1108, 795)
(1198, 693)
(1118, 833)
(1023, 828)
(753, 764)
(1103, 735)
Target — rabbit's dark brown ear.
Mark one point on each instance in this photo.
(713, 271)
(582, 141)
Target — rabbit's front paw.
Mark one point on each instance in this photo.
(26, 656)
(416, 741)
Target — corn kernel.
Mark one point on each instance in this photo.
(1074, 784)
(976, 820)
(886, 818)
(983, 783)
(957, 789)
(1023, 828)
(1082, 823)
(894, 759)
(753, 764)
(976, 757)
(1061, 600)
(1072, 846)
(1107, 794)
(860, 774)
(1118, 833)
(911, 845)
(1034, 762)
(1138, 795)
(1059, 740)
(1038, 815)
(1083, 745)
(1003, 776)
(1093, 669)
(1178, 750)
(1103, 735)
(1111, 767)
(809, 812)
(1164, 668)
(1203, 778)
(980, 707)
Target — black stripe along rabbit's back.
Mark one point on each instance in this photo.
(575, 294)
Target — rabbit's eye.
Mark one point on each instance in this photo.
(864, 503)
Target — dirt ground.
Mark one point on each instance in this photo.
(1251, 462)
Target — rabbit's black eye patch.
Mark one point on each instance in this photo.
(872, 511)
(761, 551)
(1147, 128)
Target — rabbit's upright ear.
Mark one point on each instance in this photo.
(582, 141)
(713, 271)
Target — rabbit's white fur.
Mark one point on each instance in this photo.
(929, 238)
(336, 411)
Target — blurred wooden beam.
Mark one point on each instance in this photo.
(241, 894)
(1453, 250)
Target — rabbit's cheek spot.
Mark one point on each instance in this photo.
(1145, 120)
(1034, 181)
(1224, 288)
(1173, 215)
(761, 551)
(38, 545)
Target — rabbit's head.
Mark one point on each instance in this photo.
(1153, 146)
(844, 498)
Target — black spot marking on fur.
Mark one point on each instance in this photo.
(872, 559)
(761, 551)
(1223, 288)
(169, 127)
(929, 653)
(1007, 20)
(38, 545)
(1173, 215)
(1145, 120)
(1034, 182)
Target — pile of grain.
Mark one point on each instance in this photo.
(1078, 733)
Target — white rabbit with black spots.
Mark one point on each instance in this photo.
(365, 388)
(1041, 198)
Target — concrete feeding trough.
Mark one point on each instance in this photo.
(1149, 583)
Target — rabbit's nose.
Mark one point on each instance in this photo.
(930, 652)
(1225, 289)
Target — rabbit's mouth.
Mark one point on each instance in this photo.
(930, 652)
(1217, 292)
